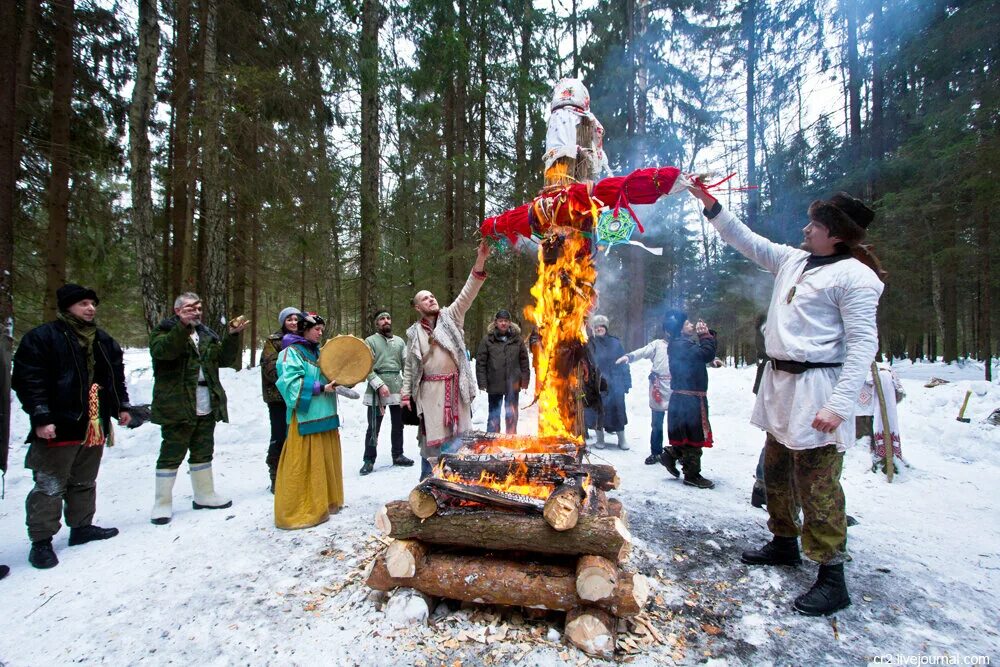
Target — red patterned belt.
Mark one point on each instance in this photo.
(451, 407)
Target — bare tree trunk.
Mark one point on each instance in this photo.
(448, 221)
(140, 159)
(521, 165)
(749, 24)
(853, 80)
(370, 153)
(985, 293)
(878, 84)
(213, 228)
(180, 173)
(58, 190)
(254, 285)
(25, 59)
(8, 179)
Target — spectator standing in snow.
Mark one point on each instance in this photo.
(503, 370)
(659, 390)
(70, 379)
(288, 322)
(611, 417)
(188, 399)
(383, 392)
(821, 338)
(310, 485)
(691, 347)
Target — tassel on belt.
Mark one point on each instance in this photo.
(451, 407)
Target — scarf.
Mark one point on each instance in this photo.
(294, 339)
(86, 333)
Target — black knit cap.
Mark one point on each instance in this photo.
(71, 293)
(673, 322)
(308, 321)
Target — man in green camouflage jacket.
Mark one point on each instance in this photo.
(188, 399)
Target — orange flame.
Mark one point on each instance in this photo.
(564, 294)
(516, 481)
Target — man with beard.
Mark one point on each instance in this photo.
(188, 399)
(437, 375)
(70, 379)
(382, 393)
(821, 339)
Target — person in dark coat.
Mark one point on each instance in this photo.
(607, 350)
(691, 347)
(502, 370)
(70, 379)
(288, 320)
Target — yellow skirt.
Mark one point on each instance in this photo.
(309, 484)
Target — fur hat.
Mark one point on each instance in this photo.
(70, 293)
(673, 322)
(308, 321)
(599, 321)
(285, 314)
(845, 217)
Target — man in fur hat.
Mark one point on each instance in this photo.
(821, 339)
(70, 379)
(437, 375)
(503, 370)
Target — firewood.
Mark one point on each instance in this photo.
(485, 579)
(562, 508)
(596, 578)
(544, 468)
(604, 536)
(630, 595)
(422, 501)
(402, 556)
(592, 631)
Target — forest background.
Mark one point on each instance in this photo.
(338, 155)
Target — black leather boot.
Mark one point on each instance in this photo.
(779, 551)
(669, 462)
(42, 555)
(85, 534)
(827, 595)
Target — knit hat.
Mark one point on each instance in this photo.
(599, 321)
(845, 217)
(673, 322)
(285, 314)
(502, 315)
(308, 321)
(380, 314)
(71, 293)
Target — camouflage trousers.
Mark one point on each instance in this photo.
(194, 439)
(807, 479)
(689, 458)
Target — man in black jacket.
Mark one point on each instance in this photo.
(70, 379)
(503, 370)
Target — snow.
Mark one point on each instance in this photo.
(226, 587)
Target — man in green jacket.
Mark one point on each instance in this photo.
(188, 399)
(384, 384)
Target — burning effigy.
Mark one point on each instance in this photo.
(525, 521)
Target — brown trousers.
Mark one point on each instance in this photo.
(807, 479)
(64, 476)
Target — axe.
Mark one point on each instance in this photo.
(960, 417)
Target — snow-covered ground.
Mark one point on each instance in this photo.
(226, 587)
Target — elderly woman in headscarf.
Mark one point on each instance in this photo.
(691, 347)
(309, 486)
(606, 350)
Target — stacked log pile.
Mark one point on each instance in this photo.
(564, 552)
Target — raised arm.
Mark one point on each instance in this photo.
(475, 281)
(754, 247)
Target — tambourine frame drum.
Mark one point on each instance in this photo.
(346, 360)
